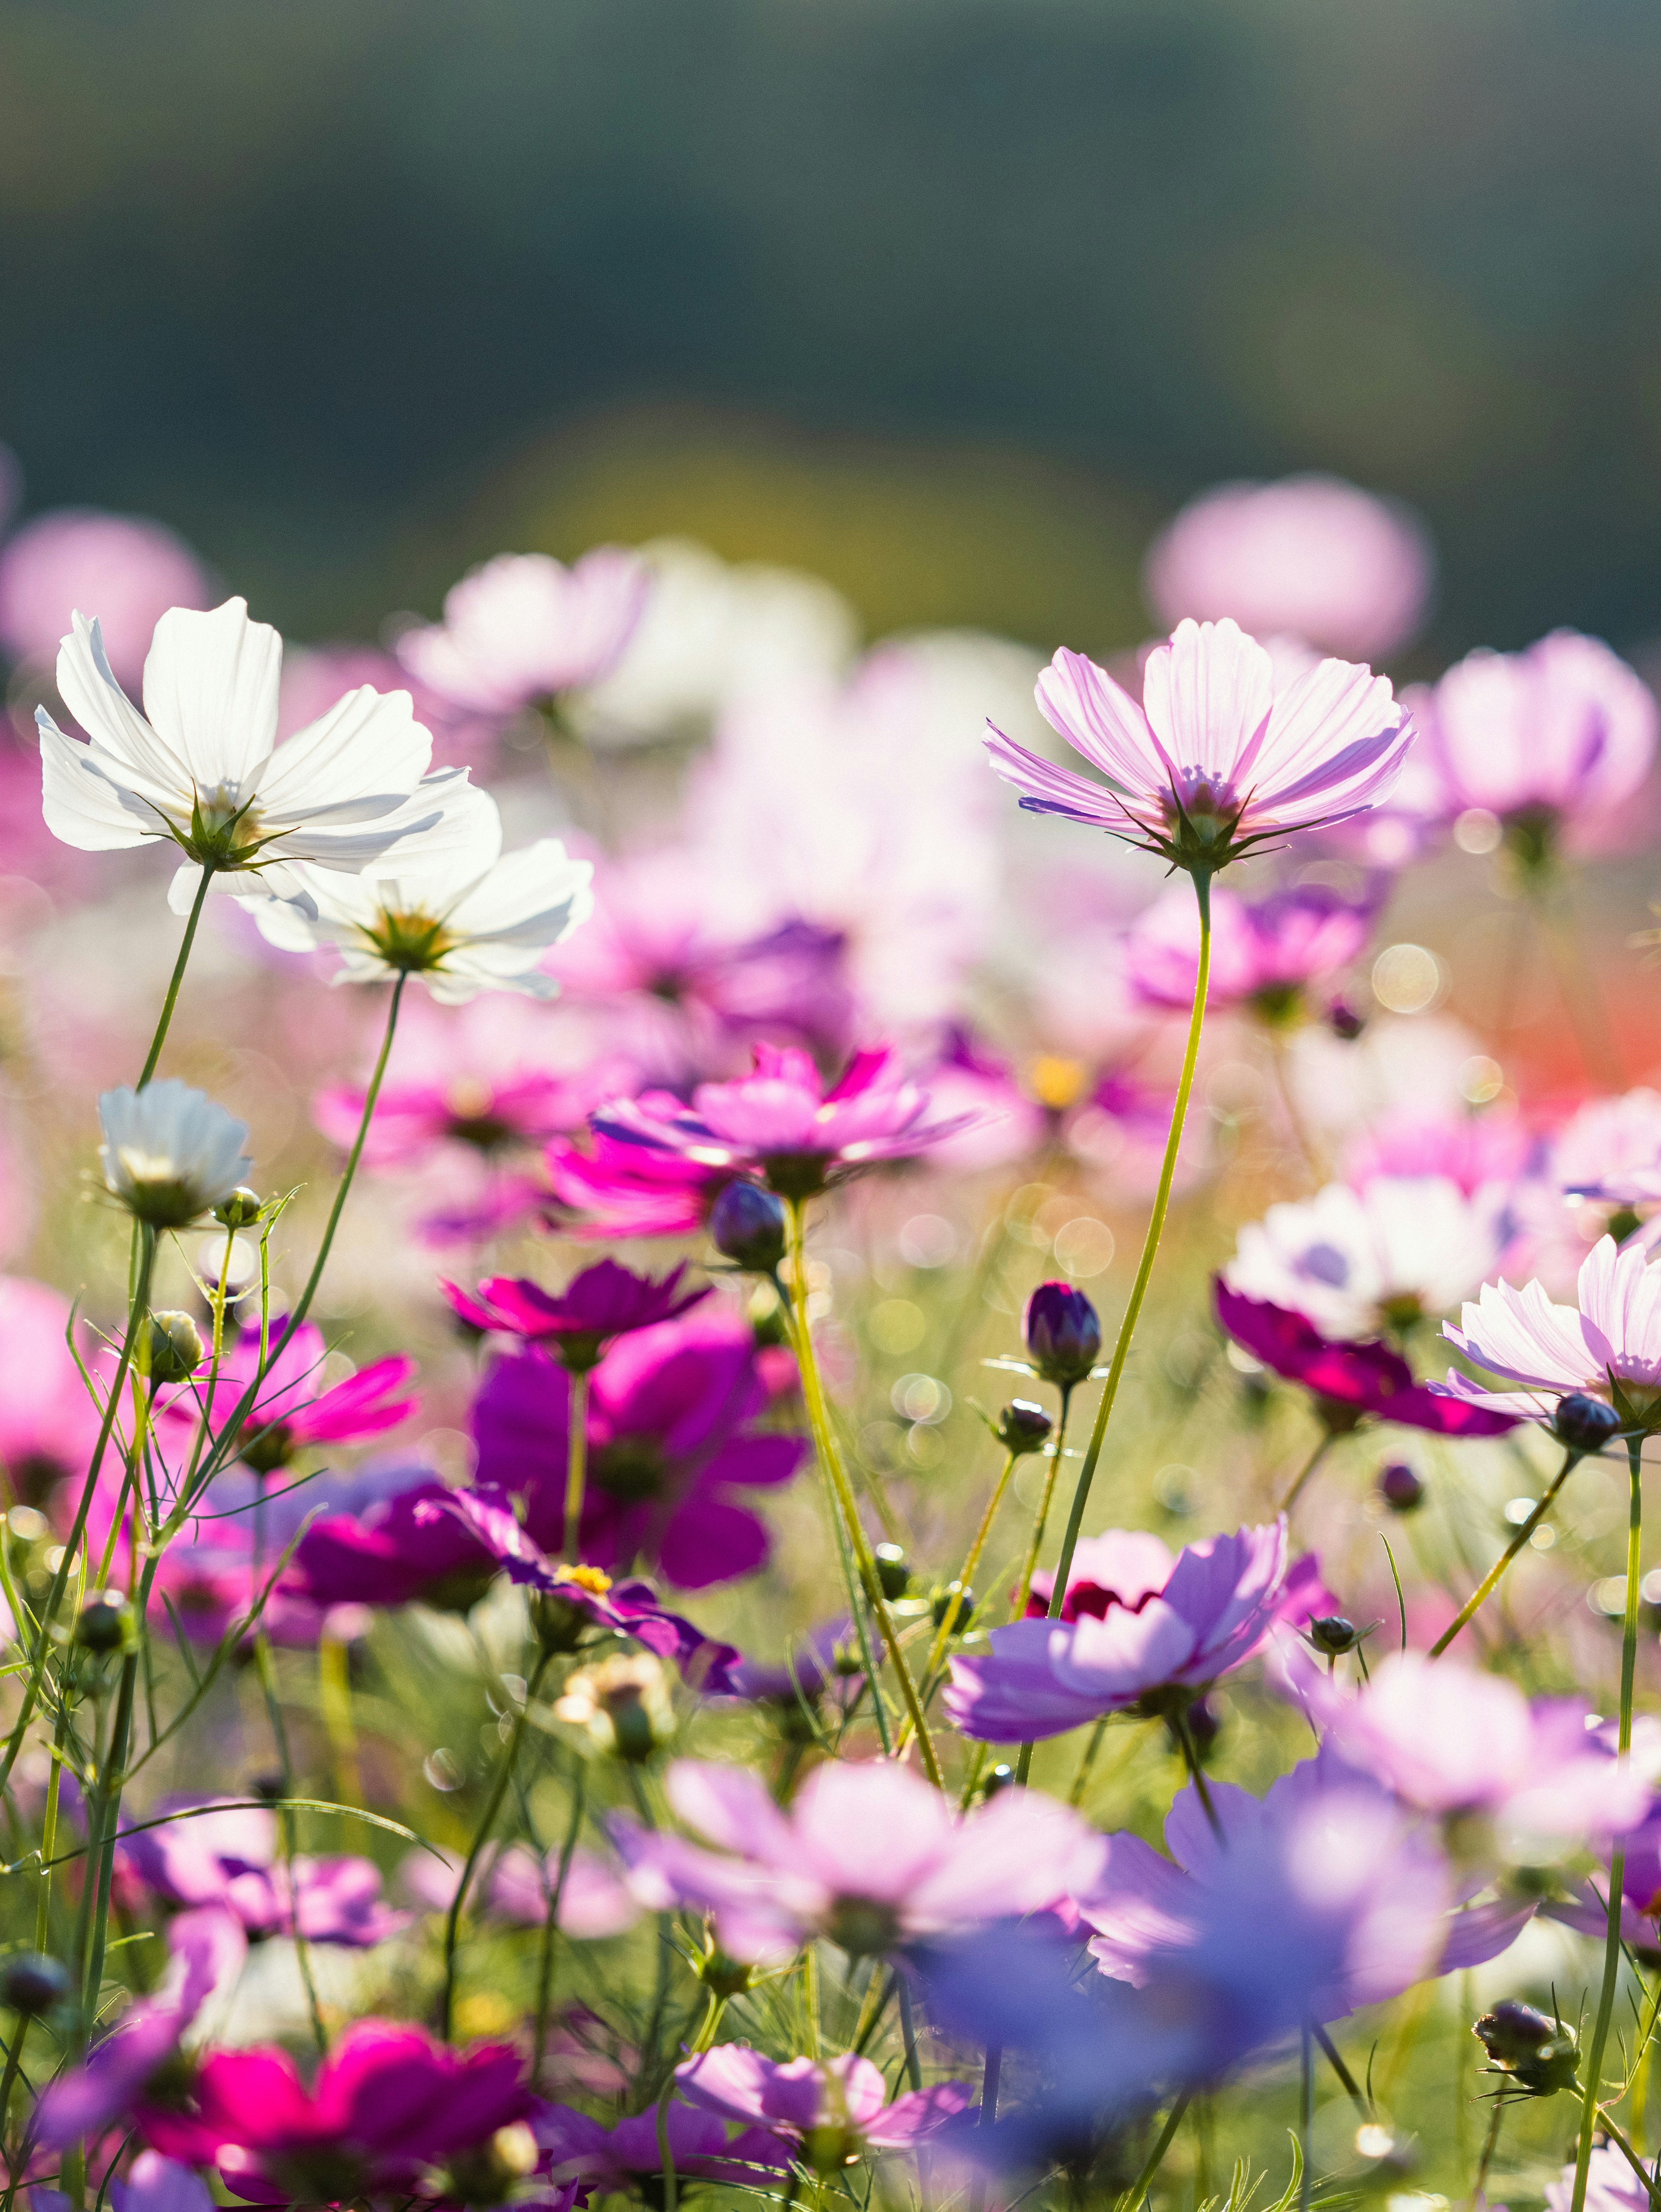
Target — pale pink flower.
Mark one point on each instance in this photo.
(1264, 952)
(1469, 1149)
(1309, 558)
(129, 569)
(525, 627)
(1611, 2184)
(1608, 1347)
(1610, 1153)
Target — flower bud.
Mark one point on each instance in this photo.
(102, 1625)
(998, 1779)
(1024, 1427)
(951, 1595)
(892, 1573)
(1401, 1488)
(624, 1704)
(487, 2174)
(171, 1345)
(1333, 1634)
(1584, 1424)
(241, 1210)
(746, 1225)
(1344, 1021)
(1062, 1333)
(728, 1978)
(1539, 2055)
(32, 1983)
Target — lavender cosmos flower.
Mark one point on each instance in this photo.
(1349, 1382)
(617, 1190)
(671, 1450)
(155, 2184)
(229, 1857)
(782, 1124)
(602, 1303)
(1554, 741)
(131, 569)
(1493, 1147)
(833, 2109)
(1609, 1348)
(1142, 1628)
(524, 628)
(1309, 558)
(1213, 761)
(1264, 954)
(1586, 1908)
(292, 1412)
(1611, 2184)
(1353, 1262)
(629, 2159)
(869, 1856)
(388, 2106)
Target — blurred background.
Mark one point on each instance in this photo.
(949, 302)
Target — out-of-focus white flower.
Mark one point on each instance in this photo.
(525, 627)
(1355, 1261)
(169, 1153)
(201, 766)
(464, 918)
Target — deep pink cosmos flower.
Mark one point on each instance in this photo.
(389, 2106)
(1265, 953)
(130, 568)
(1349, 1381)
(292, 1411)
(602, 1303)
(671, 1447)
(48, 1418)
(620, 1189)
(1309, 558)
(1142, 1624)
(226, 1855)
(1214, 760)
(837, 2107)
(524, 628)
(628, 2158)
(867, 1855)
(783, 1125)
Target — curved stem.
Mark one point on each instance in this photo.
(177, 978)
(481, 1837)
(1306, 1470)
(1024, 1588)
(1191, 1752)
(1139, 2188)
(1589, 2114)
(576, 1463)
(971, 1560)
(1150, 1246)
(842, 1493)
(1490, 1582)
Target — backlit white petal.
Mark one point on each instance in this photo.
(211, 691)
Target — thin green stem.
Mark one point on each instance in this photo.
(1306, 1470)
(576, 1462)
(1150, 1247)
(1040, 1519)
(549, 1927)
(971, 1560)
(1490, 1582)
(1137, 2192)
(1589, 2114)
(177, 978)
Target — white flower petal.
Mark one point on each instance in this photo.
(211, 691)
(82, 807)
(368, 746)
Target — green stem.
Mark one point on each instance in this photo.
(1307, 1469)
(966, 1578)
(1137, 2192)
(1589, 2114)
(177, 977)
(1024, 1588)
(1490, 1582)
(576, 1462)
(545, 1965)
(1150, 1247)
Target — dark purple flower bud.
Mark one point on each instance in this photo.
(893, 1573)
(1204, 1729)
(1584, 1424)
(1401, 1488)
(1344, 1021)
(102, 1625)
(955, 1599)
(1539, 2055)
(1022, 1427)
(32, 1983)
(1062, 1333)
(1333, 1634)
(746, 1225)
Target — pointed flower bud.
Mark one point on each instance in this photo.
(31, 1983)
(1062, 1333)
(746, 1225)
(1024, 1427)
(1401, 1489)
(1584, 1424)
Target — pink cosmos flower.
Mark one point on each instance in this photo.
(618, 1189)
(1309, 558)
(1214, 760)
(389, 2106)
(1609, 1152)
(602, 1303)
(228, 1856)
(1264, 953)
(525, 627)
(1348, 1381)
(594, 1902)
(1608, 1347)
(1141, 1624)
(845, 2097)
(1472, 1150)
(48, 1420)
(1611, 2184)
(1558, 738)
(129, 569)
(293, 1412)
(869, 1856)
(672, 1448)
(783, 1125)
(628, 2158)
(1586, 1909)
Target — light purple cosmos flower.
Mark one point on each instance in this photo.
(1214, 760)
(672, 1449)
(867, 1855)
(1586, 1909)
(603, 1302)
(782, 1124)
(155, 2184)
(1611, 2184)
(595, 1900)
(843, 2102)
(1142, 1625)
(524, 628)
(628, 2159)
(1265, 953)
(1309, 558)
(1608, 1347)
(229, 1857)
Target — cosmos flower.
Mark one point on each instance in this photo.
(867, 1855)
(227, 1856)
(202, 773)
(618, 1189)
(131, 569)
(1214, 761)
(1265, 953)
(835, 2108)
(169, 1153)
(602, 1303)
(293, 1412)
(1608, 1347)
(1469, 1149)
(1309, 558)
(1611, 2184)
(629, 2158)
(524, 628)
(48, 1420)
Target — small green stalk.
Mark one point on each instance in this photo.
(177, 978)
(1490, 1582)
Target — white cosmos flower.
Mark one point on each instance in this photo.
(201, 766)
(169, 1153)
(1608, 1346)
(465, 918)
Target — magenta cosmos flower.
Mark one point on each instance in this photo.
(602, 1303)
(620, 1189)
(226, 1855)
(1309, 558)
(389, 2106)
(837, 2107)
(671, 1448)
(1142, 1625)
(1349, 1382)
(131, 569)
(628, 2158)
(1609, 1348)
(293, 1412)
(1265, 953)
(48, 1417)
(524, 628)
(867, 1855)
(1213, 761)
